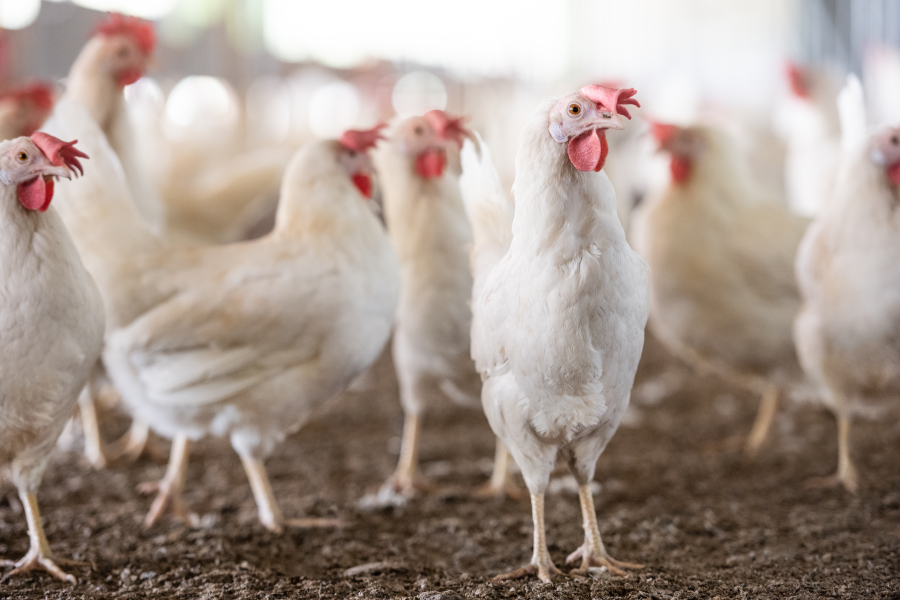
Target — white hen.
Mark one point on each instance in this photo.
(419, 168)
(242, 340)
(559, 307)
(848, 267)
(51, 319)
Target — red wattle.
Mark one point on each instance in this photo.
(35, 194)
(363, 183)
(431, 163)
(588, 151)
(680, 168)
(129, 76)
(893, 173)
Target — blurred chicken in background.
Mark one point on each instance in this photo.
(808, 121)
(723, 294)
(849, 272)
(419, 166)
(24, 109)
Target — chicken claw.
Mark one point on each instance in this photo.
(592, 553)
(169, 488)
(39, 555)
(544, 572)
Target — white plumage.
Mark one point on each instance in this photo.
(242, 340)
(51, 327)
(848, 268)
(559, 314)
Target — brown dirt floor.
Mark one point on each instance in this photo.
(677, 495)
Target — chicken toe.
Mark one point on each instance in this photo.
(541, 564)
(593, 553)
(39, 555)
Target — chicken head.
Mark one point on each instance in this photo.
(31, 164)
(354, 156)
(31, 105)
(128, 44)
(885, 152)
(581, 120)
(425, 138)
(682, 143)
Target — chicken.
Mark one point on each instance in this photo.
(115, 57)
(23, 110)
(560, 302)
(810, 126)
(419, 168)
(723, 295)
(244, 340)
(848, 268)
(51, 317)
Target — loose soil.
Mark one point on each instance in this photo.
(676, 494)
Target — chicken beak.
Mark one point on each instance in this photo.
(609, 120)
(50, 170)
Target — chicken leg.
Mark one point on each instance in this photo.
(593, 552)
(170, 487)
(39, 555)
(406, 480)
(846, 473)
(131, 445)
(90, 425)
(768, 405)
(501, 483)
(541, 563)
(269, 514)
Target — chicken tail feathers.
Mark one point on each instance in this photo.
(489, 209)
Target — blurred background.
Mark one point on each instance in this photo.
(239, 74)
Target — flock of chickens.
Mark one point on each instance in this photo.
(544, 293)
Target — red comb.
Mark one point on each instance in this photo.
(39, 94)
(59, 152)
(139, 30)
(447, 127)
(611, 98)
(797, 79)
(361, 140)
(663, 132)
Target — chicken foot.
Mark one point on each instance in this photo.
(593, 553)
(406, 480)
(541, 563)
(39, 555)
(269, 513)
(171, 486)
(768, 405)
(846, 473)
(501, 484)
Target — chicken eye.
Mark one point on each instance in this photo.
(894, 140)
(123, 52)
(419, 130)
(574, 110)
(22, 156)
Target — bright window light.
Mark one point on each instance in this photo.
(418, 92)
(18, 14)
(333, 108)
(200, 100)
